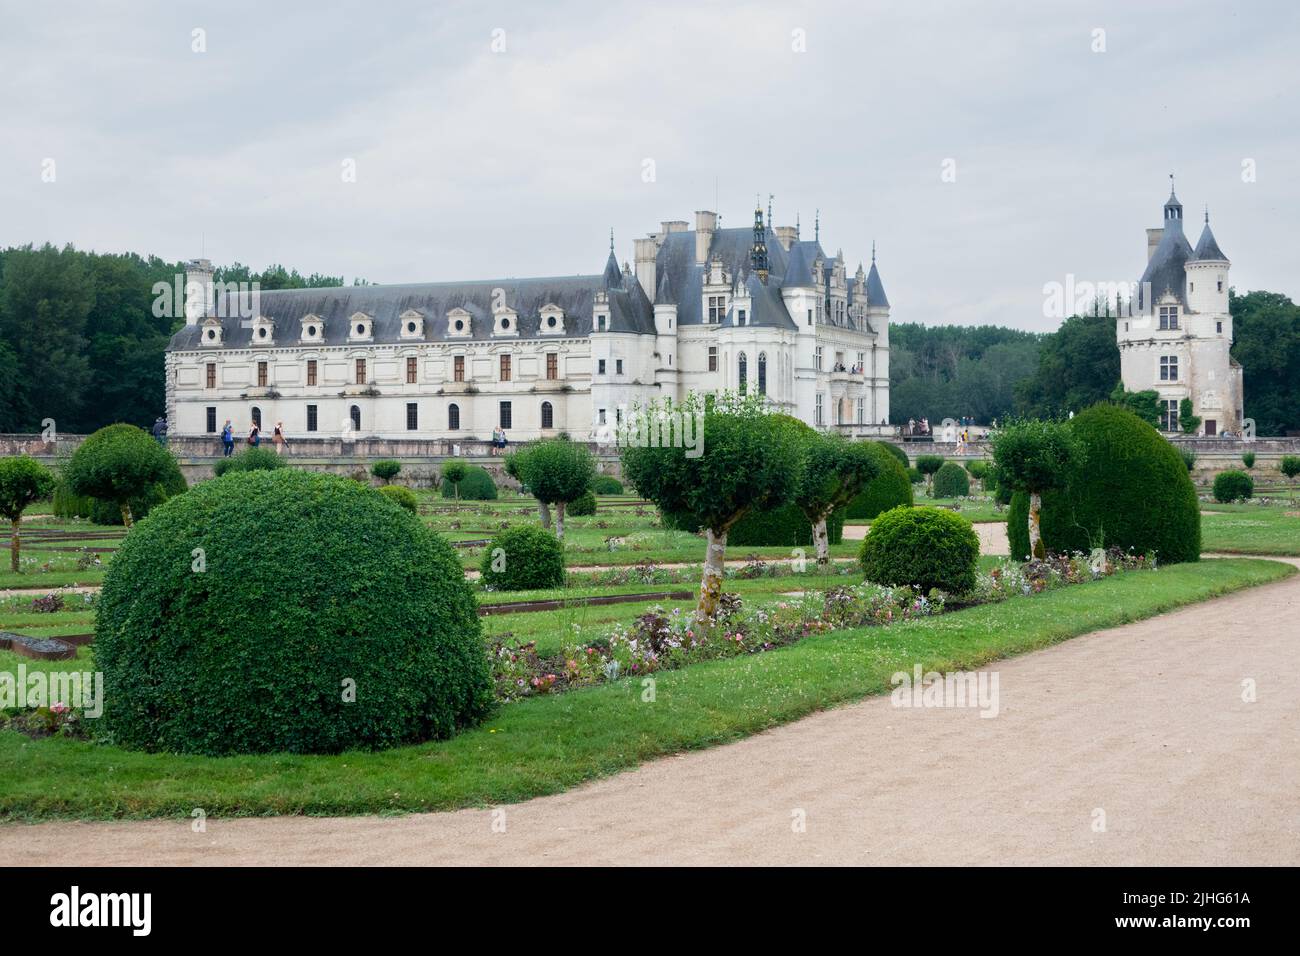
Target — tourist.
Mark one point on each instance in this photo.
(277, 436)
(228, 438)
(255, 435)
(159, 430)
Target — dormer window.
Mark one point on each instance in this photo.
(717, 306)
(458, 323)
(360, 327)
(600, 312)
(1168, 317)
(740, 317)
(212, 332)
(412, 324)
(313, 328)
(505, 321)
(263, 331)
(552, 320)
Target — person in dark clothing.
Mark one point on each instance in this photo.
(228, 438)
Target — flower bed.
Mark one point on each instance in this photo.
(661, 640)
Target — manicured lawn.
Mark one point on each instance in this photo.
(1250, 529)
(543, 745)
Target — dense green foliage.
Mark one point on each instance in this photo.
(1248, 459)
(386, 469)
(923, 547)
(927, 465)
(556, 471)
(606, 485)
(585, 504)
(1189, 457)
(476, 485)
(23, 480)
(786, 526)
(251, 459)
(315, 618)
(1078, 366)
(521, 558)
(899, 455)
(118, 464)
(1289, 465)
(401, 496)
(951, 481)
(1233, 485)
(1128, 488)
(1145, 404)
(1266, 341)
(835, 471)
(889, 489)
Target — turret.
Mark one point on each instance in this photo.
(199, 298)
(1207, 275)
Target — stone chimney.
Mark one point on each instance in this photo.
(673, 225)
(646, 250)
(1153, 239)
(199, 300)
(706, 224)
(787, 235)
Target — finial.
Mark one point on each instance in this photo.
(1171, 184)
(873, 252)
(769, 209)
(1207, 213)
(817, 225)
(796, 225)
(611, 239)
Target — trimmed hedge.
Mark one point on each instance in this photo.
(70, 505)
(1233, 485)
(477, 485)
(897, 452)
(888, 490)
(523, 558)
(251, 459)
(782, 527)
(401, 496)
(386, 469)
(607, 485)
(923, 547)
(586, 505)
(951, 481)
(1131, 490)
(321, 619)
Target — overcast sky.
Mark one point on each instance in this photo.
(474, 162)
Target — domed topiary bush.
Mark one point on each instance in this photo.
(119, 463)
(586, 505)
(523, 558)
(1130, 490)
(606, 485)
(951, 481)
(401, 496)
(924, 547)
(172, 484)
(897, 452)
(386, 469)
(889, 489)
(477, 485)
(786, 526)
(315, 618)
(254, 459)
(1233, 485)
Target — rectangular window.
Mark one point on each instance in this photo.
(600, 323)
(1169, 368)
(552, 366)
(862, 410)
(505, 369)
(505, 415)
(1169, 415)
(412, 416)
(261, 375)
(618, 415)
(818, 413)
(1220, 285)
(311, 371)
(1218, 327)
(618, 366)
(740, 317)
(600, 416)
(212, 375)
(361, 371)
(410, 369)
(1168, 317)
(458, 368)
(600, 366)
(311, 418)
(212, 419)
(818, 355)
(717, 308)
(713, 358)
(810, 316)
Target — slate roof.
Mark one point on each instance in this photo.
(1167, 268)
(876, 288)
(1207, 249)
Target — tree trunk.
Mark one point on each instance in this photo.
(544, 510)
(711, 583)
(822, 540)
(559, 520)
(1036, 548)
(126, 513)
(13, 545)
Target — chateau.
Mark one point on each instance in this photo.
(1176, 341)
(758, 309)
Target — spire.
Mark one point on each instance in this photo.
(817, 226)
(796, 225)
(758, 252)
(1207, 248)
(611, 240)
(664, 294)
(873, 252)
(613, 274)
(1173, 208)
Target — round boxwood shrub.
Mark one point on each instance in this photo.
(585, 505)
(786, 526)
(523, 558)
(253, 459)
(1232, 485)
(316, 618)
(897, 452)
(477, 485)
(108, 512)
(607, 485)
(401, 496)
(924, 547)
(889, 489)
(951, 481)
(386, 469)
(1130, 490)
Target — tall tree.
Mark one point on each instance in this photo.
(1078, 366)
(1266, 341)
(835, 470)
(23, 481)
(1034, 456)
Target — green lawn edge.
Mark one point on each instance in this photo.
(546, 745)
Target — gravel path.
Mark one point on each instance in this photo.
(1143, 723)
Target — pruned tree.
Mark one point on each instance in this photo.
(744, 459)
(454, 471)
(556, 472)
(1034, 456)
(1290, 466)
(118, 463)
(835, 470)
(386, 469)
(928, 465)
(23, 481)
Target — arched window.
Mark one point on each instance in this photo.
(762, 373)
(742, 373)
(548, 415)
(355, 412)
(453, 417)
(257, 417)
